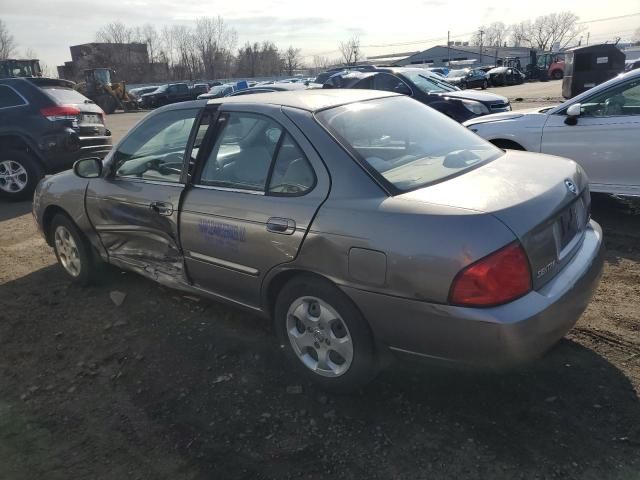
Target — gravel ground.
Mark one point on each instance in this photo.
(176, 387)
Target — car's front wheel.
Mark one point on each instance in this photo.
(72, 250)
(485, 85)
(324, 335)
(19, 175)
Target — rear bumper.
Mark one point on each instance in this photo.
(499, 337)
(61, 150)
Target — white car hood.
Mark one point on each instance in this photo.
(533, 115)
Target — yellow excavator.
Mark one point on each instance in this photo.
(108, 95)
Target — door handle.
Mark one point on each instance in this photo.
(162, 208)
(284, 226)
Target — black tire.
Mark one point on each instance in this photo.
(364, 364)
(485, 85)
(557, 74)
(25, 173)
(463, 86)
(89, 263)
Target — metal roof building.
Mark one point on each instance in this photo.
(441, 55)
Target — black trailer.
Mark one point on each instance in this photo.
(586, 67)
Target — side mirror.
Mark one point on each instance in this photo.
(88, 168)
(573, 112)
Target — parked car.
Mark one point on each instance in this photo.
(429, 89)
(276, 87)
(166, 94)
(199, 89)
(631, 64)
(218, 91)
(45, 126)
(358, 221)
(468, 78)
(598, 129)
(503, 76)
(138, 92)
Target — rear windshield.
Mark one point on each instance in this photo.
(407, 143)
(65, 95)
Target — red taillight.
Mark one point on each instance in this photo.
(61, 112)
(498, 278)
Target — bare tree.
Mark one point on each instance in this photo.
(7, 42)
(350, 51)
(495, 35)
(292, 59)
(115, 32)
(554, 29)
(214, 41)
(521, 34)
(320, 63)
(150, 36)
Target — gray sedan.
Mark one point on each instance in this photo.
(358, 221)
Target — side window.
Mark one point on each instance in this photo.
(622, 100)
(292, 174)
(389, 83)
(155, 150)
(242, 153)
(10, 98)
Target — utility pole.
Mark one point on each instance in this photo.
(481, 34)
(448, 48)
(588, 33)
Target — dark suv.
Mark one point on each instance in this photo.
(45, 126)
(432, 90)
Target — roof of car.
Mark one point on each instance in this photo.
(311, 100)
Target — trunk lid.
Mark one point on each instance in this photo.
(530, 193)
(91, 119)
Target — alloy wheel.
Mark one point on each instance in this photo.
(319, 337)
(13, 176)
(67, 251)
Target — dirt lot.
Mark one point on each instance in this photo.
(168, 386)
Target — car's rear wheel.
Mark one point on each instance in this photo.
(324, 335)
(19, 175)
(485, 85)
(463, 85)
(72, 250)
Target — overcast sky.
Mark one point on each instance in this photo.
(49, 27)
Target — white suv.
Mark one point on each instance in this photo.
(599, 129)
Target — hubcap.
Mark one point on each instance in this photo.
(319, 337)
(13, 176)
(67, 251)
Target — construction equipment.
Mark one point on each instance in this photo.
(108, 95)
(12, 68)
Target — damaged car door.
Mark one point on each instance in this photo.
(134, 205)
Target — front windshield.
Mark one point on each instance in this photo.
(163, 88)
(427, 83)
(408, 154)
(457, 73)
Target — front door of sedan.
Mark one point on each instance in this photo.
(257, 188)
(134, 206)
(605, 139)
